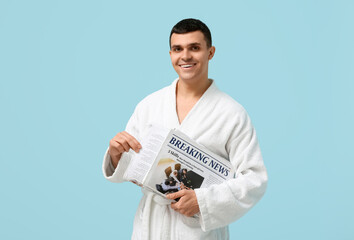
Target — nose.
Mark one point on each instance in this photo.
(186, 55)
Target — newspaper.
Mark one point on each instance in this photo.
(170, 161)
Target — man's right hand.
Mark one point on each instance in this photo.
(121, 143)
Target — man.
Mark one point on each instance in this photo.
(193, 105)
(182, 175)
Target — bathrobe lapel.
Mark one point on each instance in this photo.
(189, 123)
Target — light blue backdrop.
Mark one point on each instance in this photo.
(72, 72)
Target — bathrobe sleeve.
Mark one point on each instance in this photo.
(116, 175)
(224, 203)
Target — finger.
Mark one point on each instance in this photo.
(125, 145)
(120, 148)
(174, 206)
(120, 138)
(115, 148)
(178, 194)
(133, 143)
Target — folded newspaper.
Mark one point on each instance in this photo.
(170, 161)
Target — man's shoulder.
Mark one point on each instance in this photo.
(226, 102)
(232, 111)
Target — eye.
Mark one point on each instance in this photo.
(177, 49)
(195, 48)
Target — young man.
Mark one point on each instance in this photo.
(195, 106)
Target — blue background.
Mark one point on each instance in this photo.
(72, 72)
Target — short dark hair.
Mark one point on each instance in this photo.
(191, 25)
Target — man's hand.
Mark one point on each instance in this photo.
(187, 204)
(121, 143)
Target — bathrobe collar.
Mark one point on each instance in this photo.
(201, 102)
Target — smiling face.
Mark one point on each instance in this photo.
(190, 56)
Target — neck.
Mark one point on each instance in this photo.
(192, 89)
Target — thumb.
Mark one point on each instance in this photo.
(178, 194)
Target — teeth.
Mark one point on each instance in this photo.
(186, 66)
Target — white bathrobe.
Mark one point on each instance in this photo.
(222, 125)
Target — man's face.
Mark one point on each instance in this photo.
(190, 56)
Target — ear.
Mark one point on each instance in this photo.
(211, 52)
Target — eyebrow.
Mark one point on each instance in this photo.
(191, 44)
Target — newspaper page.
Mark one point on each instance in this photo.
(141, 162)
(184, 164)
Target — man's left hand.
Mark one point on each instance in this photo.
(187, 204)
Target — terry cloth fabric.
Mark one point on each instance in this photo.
(223, 126)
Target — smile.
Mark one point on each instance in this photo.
(186, 66)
